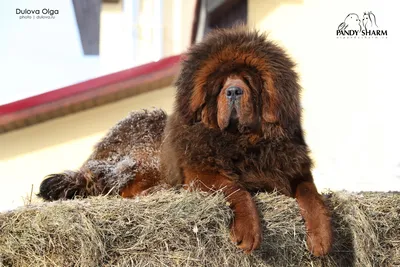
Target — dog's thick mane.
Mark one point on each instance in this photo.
(280, 152)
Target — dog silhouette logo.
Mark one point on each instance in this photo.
(369, 21)
(354, 27)
(351, 22)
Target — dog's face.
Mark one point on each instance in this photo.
(231, 103)
(237, 81)
(365, 19)
(235, 106)
(352, 19)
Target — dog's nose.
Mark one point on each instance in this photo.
(234, 92)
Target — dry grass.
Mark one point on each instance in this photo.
(191, 229)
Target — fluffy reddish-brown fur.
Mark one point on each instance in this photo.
(236, 127)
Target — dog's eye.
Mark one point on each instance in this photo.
(247, 81)
(198, 115)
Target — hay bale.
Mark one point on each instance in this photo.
(191, 229)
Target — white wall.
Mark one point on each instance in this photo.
(351, 88)
(116, 37)
(40, 55)
(140, 31)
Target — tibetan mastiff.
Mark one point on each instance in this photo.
(236, 127)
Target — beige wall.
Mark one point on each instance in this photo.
(350, 89)
(178, 17)
(27, 155)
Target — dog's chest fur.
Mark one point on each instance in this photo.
(263, 166)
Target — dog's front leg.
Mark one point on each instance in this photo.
(246, 228)
(315, 213)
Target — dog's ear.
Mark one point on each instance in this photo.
(197, 116)
(342, 26)
(190, 97)
(269, 101)
(198, 99)
(197, 103)
(372, 18)
(280, 98)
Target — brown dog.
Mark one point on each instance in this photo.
(236, 127)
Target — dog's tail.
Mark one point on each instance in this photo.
(96, 177)
(66, 185)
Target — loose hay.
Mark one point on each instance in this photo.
(191, 229)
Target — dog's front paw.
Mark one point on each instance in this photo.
(319, 241)
(246, 233)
